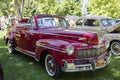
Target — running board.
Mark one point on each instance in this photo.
(29, 53)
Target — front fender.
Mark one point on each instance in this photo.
(53, 44)
(112, 36)
(50, 44)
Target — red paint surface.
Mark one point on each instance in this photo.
(55, 40)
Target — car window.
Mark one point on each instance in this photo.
(108, 22)
(91, 22)
(48, 22)
(32, 22)
(51, 22)
(79, 22)
(117, 21)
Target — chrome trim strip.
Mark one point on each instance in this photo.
(64, 51)
(25, 52)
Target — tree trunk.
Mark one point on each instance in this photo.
(85, 4)
(22, 7)
(19, 8)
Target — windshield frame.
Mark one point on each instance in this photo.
(66, 24)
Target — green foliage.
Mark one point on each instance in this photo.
(63, 8)
(69, 7)
(30, 8)
(105, 7)
(7, 7)
(47, 6)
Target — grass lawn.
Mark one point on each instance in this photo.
(23, 67)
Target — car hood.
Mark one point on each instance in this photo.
(114, 29)
(82, 36)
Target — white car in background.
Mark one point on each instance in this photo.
(118, 20)
(105, 27)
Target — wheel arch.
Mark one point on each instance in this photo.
(43, 54)
(52, 46)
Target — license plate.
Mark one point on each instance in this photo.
(81, 68)
(100, 62)
(71, 65)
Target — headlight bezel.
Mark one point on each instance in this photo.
(70, 50)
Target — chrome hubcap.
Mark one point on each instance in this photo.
(115, 48)
(50, 65)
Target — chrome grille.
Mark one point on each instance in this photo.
(90, 52)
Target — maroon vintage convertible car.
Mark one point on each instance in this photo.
(47, 37)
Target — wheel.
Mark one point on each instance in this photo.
(11, 46)
(1, 73)
(52, 67)
(11, 49)
(115, 48)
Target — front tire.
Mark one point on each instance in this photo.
(115, 48)
(52, 67)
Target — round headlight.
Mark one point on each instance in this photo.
(70, 50)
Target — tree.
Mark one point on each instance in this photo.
(105, 7)
(63, 8)
(19, 5)
(30, 8)
(84, 9)
(47, 6)
(7, 7)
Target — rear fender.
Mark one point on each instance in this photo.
(9, 36)
(6, 39)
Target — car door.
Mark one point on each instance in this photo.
(20, 35)
(93, 25)
(31, 36)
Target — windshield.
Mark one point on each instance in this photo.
(108, 22)
(51, 22)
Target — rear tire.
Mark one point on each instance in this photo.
(1, 73)
(11, 46)
(115, 48)
(52, 67)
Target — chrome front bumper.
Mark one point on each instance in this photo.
(92, 65)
